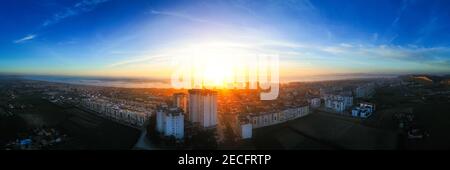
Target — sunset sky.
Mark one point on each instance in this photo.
(139, 38)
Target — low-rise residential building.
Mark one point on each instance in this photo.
(338, 103)
(105, 108)
(364, 110)
(244, 127)
(271, 118)
(314, 102)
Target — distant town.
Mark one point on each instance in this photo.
(405, 112)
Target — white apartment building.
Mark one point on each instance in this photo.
(267, 119)
(180, 101)
(364, 110)
(203, 107)
(246, 131)
(109, 110)
(170, 122)
(338, 103)
(244, 127)
(160, 118)
(335, 104)
(314, 102)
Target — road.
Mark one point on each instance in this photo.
(143, 143)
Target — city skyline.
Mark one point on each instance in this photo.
(139, 39)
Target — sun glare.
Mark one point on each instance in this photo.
(216, 65)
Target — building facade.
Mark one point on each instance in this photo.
(266, 119)
(244, 127)
(203, 107)
(364, 110)
(180, 101)
(246, 130)
(105, 108)
(314, 102)
(338, 103)
(170, 122)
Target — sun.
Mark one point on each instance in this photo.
(212, 65)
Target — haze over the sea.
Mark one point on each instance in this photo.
(165, 83)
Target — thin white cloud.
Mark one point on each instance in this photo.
(435, 56)
(78, 8)
(391, 33)
(392, 38)
(346, 45)
(428, 29)
(405, 4)
(25, 39)
(394, 23)
(139, 59)
(299, 5)
(178, 15)
(375, 37)
(348, 52)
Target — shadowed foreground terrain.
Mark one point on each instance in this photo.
(85, 130)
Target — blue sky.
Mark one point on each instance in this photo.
(136, 38)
